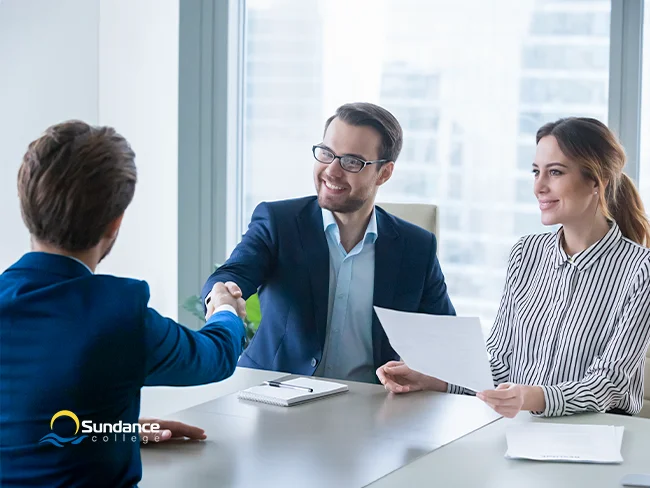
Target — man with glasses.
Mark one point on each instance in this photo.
(320, 263)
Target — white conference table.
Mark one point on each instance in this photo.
(162, 401)
(477, 460)
(379, 440)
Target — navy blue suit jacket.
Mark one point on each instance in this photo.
(71, 340)
(285, 254)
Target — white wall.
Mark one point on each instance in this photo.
(109, 62)
(138, 95)
(48, 74)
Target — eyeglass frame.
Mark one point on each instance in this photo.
(365, 163)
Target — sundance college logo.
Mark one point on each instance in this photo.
(118, 432)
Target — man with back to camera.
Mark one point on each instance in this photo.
(321, 262)
(76, 346)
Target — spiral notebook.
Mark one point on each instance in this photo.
(286, 397)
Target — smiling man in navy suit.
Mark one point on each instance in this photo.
(321, 262)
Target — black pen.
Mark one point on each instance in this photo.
(279, 384)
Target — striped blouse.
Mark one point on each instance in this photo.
(577, 326)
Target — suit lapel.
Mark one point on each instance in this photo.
(388, 257)
(316, 252)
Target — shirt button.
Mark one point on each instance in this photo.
(340, 295)
(314, 362)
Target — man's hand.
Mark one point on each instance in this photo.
(397, 377)
(170, 429)
(225, 294)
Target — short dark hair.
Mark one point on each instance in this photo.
(73, 182)
(370, 115)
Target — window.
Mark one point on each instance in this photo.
(526, 155)
(422, 151)
(456, 156)
(458, 251)
(544, 90)
(455, 186)
(524, 190)
(452, 219)
(529, 223)
(644, 157)
(469, 114)
(417, 118)
(549, 56)
(408, 185)
(580, 23)
(397, 84)
(529, 122)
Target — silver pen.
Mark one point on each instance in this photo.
(279, 384)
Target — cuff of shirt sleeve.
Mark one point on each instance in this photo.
(225, 308)
(455, 389)
(554, 400)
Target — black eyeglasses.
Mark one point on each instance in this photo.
(351, 164)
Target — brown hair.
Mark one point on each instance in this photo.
(371, 115)
(596, 149)
(74, 181)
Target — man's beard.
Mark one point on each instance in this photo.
(348, 206)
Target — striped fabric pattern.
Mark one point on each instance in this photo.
(577, 326)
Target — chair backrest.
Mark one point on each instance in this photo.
(645, 411)
(421, 214)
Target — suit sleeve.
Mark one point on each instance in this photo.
(435, 299)
(178, 356)
(252, 260)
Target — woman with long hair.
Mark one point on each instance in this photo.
(573, 325)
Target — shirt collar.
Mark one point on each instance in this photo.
(80, 262)
(52, 263)
(589, 256)
(330, 225)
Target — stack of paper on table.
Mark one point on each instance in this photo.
(565, 442)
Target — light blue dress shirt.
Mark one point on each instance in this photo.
(348, 352)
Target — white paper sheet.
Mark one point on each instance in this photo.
(449, 348)
(565, 442)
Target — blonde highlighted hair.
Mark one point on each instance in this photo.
(601, 156)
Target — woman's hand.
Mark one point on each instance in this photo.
(397, 377)
(509, 399)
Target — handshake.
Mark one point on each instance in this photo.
(225, 294)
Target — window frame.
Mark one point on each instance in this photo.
(211, 132)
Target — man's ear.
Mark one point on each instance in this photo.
(385, 172)
(113, 228)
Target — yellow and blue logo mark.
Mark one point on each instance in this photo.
(58, 441)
